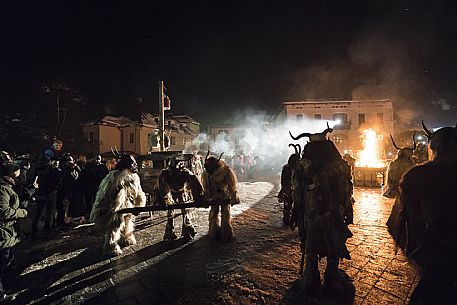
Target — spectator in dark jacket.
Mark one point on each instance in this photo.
(72, 191)
(49, 179)
(93, 174)
(10, 212)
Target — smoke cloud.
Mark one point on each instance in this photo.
(256, 134)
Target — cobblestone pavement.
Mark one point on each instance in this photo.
(259, 267)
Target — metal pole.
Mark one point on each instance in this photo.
(161, 118)
(58, 112)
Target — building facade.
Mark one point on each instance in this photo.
(351, 119)
(137, 137)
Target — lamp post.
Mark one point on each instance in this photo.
(161, 118)
(164, 104)
(59, 131)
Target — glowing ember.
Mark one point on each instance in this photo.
(371, 154)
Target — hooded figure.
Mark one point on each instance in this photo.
(219, 183)
(119, 189)
(429, 195)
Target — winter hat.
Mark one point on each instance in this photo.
(8, 168)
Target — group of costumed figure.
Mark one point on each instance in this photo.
(423, 221)
(316, 188)
(121, 189)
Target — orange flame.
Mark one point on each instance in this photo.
(371, 154)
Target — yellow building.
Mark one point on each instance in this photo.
(137, 137)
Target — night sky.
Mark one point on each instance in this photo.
(220, 56)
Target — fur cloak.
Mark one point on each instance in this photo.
(118, 190)
(221, 184)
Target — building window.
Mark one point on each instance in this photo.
(361, 118)
(132, 137)
(184, 141)
(341, 117)
(336, 139)
(341, 120)
(318, 116)
(380, 116)
(299, 117)
(91, 137)
(173, 140)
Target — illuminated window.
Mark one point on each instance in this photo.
(336, 139)
(342, 117)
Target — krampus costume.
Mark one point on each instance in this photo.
(119, 189)
(177, 184)
(219, 183)
(429, 196)
(395, 171)
(322, 194)
(285, 194)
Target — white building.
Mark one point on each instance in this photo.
(352, 118)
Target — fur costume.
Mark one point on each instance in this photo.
(178, 184)
(428, 193)
(118, 190)
(322, 195)
(395, 172)
(221, 184)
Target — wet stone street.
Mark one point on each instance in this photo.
(259, 267)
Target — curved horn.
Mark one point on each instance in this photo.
(325, 132)
(207, 154)
(220, 157)
(114, 153)
(328, 130)
(428, 133)
(305, 134)
(414, 141)
(117, 151)
(294, 146)
(299, 149)
(393, 142)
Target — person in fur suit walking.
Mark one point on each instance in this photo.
(219, 183)
(120, 189)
